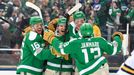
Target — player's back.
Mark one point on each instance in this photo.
(87, 48)
(88, 53)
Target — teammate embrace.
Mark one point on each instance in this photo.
(83, 43)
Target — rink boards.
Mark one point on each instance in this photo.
(12, 71)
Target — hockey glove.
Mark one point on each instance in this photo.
(66, 57)
(57, 54)
(26, 30)
(118, 34)
(54, 52)
(49, 36)
(53, 24)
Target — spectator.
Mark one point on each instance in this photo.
(6, 36)
(101, 9)
(2, 5)
(114, 12)
(47, 18)
(10, 7)
(113, 19)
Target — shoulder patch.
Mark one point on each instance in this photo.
(32, 35)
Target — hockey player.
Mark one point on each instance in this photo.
(127, 68)
(87, 50)
(63, 64)
(33, 52)
(73, 28)
(79, 19)
(53, 23)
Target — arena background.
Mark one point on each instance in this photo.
(14, 11)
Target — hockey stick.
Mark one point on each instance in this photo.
(71, 11)
(11, 24)
(75, 8)
(5, 20)
(33, 6)
(67, 16)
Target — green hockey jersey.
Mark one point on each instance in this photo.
(113, 12)
(88, 52)
(33, 54)
(72, 32)
(55, 64)
(130, 15)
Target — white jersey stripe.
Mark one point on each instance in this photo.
(30, 68)
(73, 25)
(58, 65)
(62, 51)
(92, 66)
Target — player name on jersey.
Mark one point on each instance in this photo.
(89, 44)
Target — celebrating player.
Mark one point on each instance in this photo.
(63, 64)
(79, 19)
(33, 52)
(87, 50)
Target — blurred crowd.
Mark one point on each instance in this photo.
(109, 15)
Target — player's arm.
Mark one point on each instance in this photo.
(113, 47)
(37, 49)
(71, 29)
(49, 36)
(63, 48)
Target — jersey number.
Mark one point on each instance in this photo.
(93, 50)
(35, 45)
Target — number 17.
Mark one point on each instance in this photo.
(92, 50)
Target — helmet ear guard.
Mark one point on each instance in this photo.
(86, 30)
